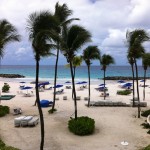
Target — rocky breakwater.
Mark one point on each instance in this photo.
(11, 76)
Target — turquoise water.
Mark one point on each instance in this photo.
(47, 72)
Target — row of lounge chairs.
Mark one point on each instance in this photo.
(111, 104)
(26, 121)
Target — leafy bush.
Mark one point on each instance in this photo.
(124, 92)
(5, 88)
(82, 126)
(4, 147)
(148, 131)
(51, 111)
(145, 125)
(146, 148)
(4, 110)
(145, 113)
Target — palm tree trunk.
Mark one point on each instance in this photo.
(56, 66)
(104, 84)
(144, 85)
(137, 85)
(89, 86)
(39, 107)
(74, 73)
(74, 91)
(133, 86)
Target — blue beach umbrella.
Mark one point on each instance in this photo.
(79, 83)
(27, 88)
(141, 80)
(67, 82)
(22, 82)
(83, 82)
(44, 83)
(58, 86)
(121, 81)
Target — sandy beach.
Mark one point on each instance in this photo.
(113, 124)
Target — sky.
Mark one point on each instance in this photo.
(106, 20)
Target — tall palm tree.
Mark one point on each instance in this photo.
(73, 39)
(90, 53)
(135, 40)
(146, 64)
(105, 61)
(37, 27)
(62, 12)
(76, 62)
(8, 33)
(131, 62)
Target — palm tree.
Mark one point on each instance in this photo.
(77, 61)
(105, 61)
(73, 39)
(131, 62)
(62, 12)
(90, 53)
(135, 40)
(8, 33)
(37, 28)
(146, 64)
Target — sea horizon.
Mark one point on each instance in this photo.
(47, 72)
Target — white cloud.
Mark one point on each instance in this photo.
(107, 20)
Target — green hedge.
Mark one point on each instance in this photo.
(145, 113)
(4, 147)
(82, 126)
(4, 110)
(146, 148)
(124, 92)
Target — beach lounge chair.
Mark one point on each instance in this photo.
(24, 121)
(148, 119)
(104, 94)
(17, 121)
(34, 121)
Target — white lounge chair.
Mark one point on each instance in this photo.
(17, 121)
(34, 121)
(24, 121)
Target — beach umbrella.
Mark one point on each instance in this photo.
(67, 82)
(141, 80)
(83, 82)
(79, 83)
(121, 81)
(43, 84)
(102, 84)
(22, 82)
(58, 86)
(27, 88)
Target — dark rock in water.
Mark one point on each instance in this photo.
(11, 76)
(123, 78)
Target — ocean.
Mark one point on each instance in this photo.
(47, 72)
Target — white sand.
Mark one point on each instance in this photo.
(113, 124)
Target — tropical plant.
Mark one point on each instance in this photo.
(90, 53)
(38, 25)
(105, 61)
(131, 62)
(135, 39)
(62, 12)
(8, 33)
(146, 64)
(73, 38)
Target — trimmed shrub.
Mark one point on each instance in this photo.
(124, 92)
(5, 88)
(82, 126)
(4, 147)
(146, 148)
(145, 125)
(51, 111)
(4, 110)
(145, 113)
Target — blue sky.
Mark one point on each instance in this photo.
(106, 20)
